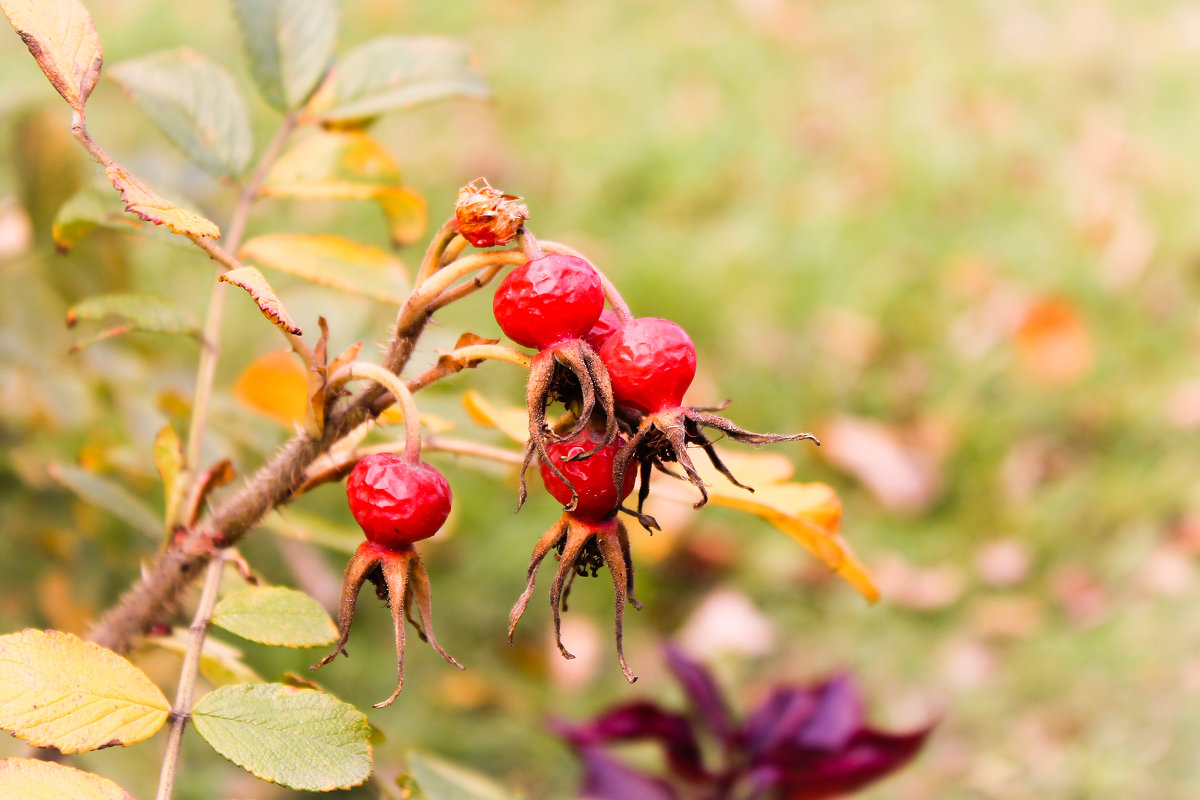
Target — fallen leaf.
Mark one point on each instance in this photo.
(1003, 562)
(900, 477)
(920, 588)
(1054, 345)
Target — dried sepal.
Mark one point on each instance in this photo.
(569, 371)
(487, 217)
(663, 438)
(400, 580)
(584, 546)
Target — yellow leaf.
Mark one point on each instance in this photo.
(168, 457)
(332, 261)
(153, 207)
(62, 38)
(405, 212)
(513, 422)
(27, 779)
(275, 384)
(255, 283)
(57, 690)
(333, 165)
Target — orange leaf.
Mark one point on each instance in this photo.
(62, 38)
(255, 283)
(153, 207)
(1053, 344)
(275, 384)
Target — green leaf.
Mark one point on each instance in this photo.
(57, 690)
(290, 43)
(196, 104)
(63, 40)
(91, 208)
(441, 780)
(112, 497)
(332, 261)
(135, 312)
(393, 73)
(28, 779)
(300, 738)
(276, 616)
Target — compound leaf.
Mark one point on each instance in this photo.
(195, 103)
(57, 690)
(300, 738)
(332, 261)
(29, 779)
(255, 284)
(275, 615)
(393, 73)
(62, 38)
(290, 43)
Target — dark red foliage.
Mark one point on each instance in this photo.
(592, 477)
(802, 743)
(397, 502)
(651, 362)
(548, 300)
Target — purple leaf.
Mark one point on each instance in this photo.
(702, 690)
(605, 778)
(641, 721)
(837, 717)
(868, 757)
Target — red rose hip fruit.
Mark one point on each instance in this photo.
(548, 300)
(592, 476)
(651, 362)
(395, 501)
(606, 326)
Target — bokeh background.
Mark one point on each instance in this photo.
(958, 240)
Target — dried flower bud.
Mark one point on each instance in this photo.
(486, 216)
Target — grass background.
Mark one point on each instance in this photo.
(850, 206)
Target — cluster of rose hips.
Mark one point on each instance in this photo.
(621, 381)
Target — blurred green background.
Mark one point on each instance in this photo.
(958, 240)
